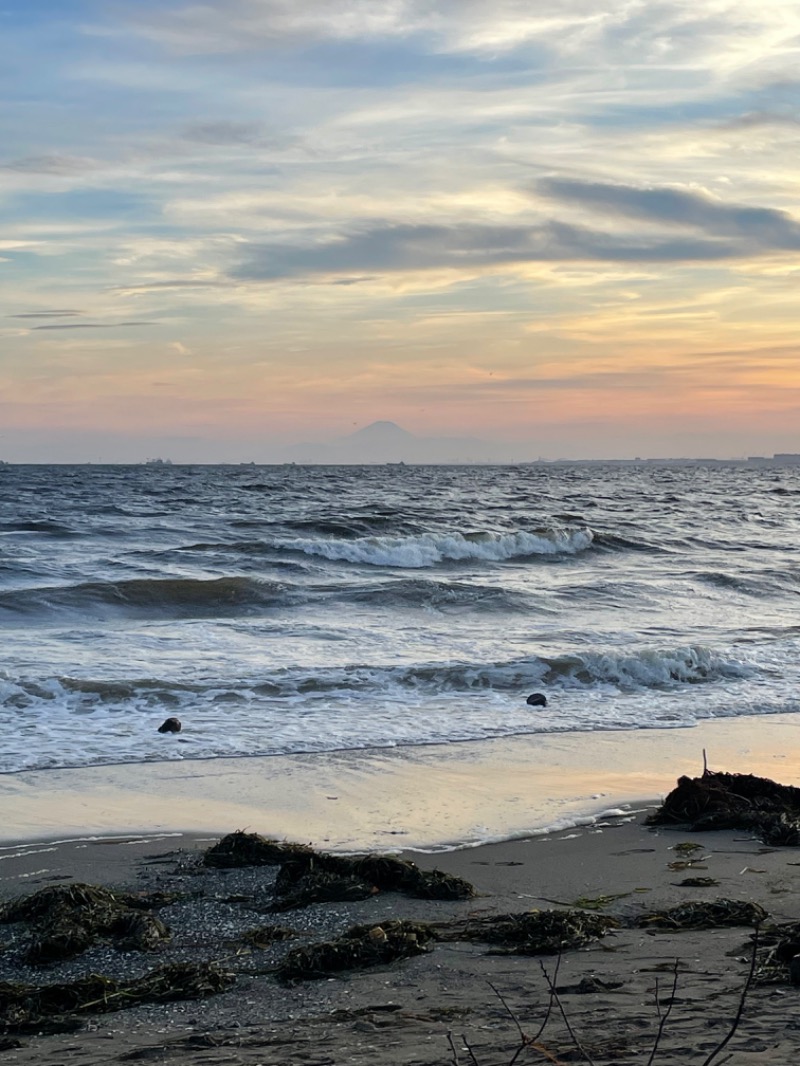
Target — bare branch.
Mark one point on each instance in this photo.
(551, 1001)
(581, 1050)
(742, 1000)
(470, 1052)
(666, 1013)
(453, 1051)
(509, 1011)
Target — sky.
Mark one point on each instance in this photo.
(569, 226)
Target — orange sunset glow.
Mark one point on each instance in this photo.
(564, 231)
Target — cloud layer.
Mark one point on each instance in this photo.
(422, 211)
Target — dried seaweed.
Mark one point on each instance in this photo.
(533, 932)
(319, 886)
(778, 945)
(734, 801)
(40, 904)
(382, 872)
(34, 1008)
(361, 947)
(598, 903)
(299, 862)
(264, 936)
(67, 920)
(251, 849)
(696, 882)
(708, 914)
(400, 875)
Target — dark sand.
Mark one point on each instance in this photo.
(409, 1012)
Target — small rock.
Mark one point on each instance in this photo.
(536, 699)
(171, 725)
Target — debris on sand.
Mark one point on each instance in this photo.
(734, 801)
(778, 953)
(251, 849)
(67, 920)
(696, 882)
(708, 914)
(264, 936)
(373, 873)
(294, 890)
(38, 1008)
(359, 948)
(532, 932)
(346, 877)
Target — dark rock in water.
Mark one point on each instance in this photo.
(536, 699)
(171, 725)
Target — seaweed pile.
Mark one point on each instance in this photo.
(67, 920)
(532, 932)
(54, 1008)
(299, 886)
(710, 914)
(264, 936)
(308, 876)
(734, 801)
(777, 953)
(251, 849)
(361, 947)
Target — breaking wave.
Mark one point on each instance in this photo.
(647, 669)
(433, 549)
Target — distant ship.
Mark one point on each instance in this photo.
(158, 462)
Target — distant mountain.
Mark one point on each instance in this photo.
(386, 442)
(380, 435)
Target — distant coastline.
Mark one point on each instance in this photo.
(790, 459)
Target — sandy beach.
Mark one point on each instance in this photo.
(454, 1003)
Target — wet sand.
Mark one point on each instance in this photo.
(455, 794)
(430, 1009)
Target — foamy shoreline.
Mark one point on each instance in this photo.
(428, 798)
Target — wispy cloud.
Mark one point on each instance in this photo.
(758, 228)
(47, 314)
(92, 325)
(311, 194)
(423, 247)
(224, 132)
(61, 165)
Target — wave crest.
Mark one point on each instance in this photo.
(433, 549)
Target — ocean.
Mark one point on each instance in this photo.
(287, 610)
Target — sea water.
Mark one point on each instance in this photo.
(289, 609)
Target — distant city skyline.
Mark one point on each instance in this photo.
(233, 228)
